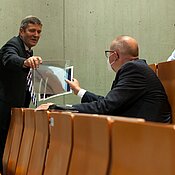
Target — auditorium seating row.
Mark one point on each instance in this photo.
(166, 73)
(63, 143)
(51, 143)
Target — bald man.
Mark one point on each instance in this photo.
(135, 92)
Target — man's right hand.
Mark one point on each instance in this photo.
(43, 106)
(33, 62)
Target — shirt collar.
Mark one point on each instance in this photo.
(26, 48)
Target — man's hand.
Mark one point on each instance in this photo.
(43, 106)
(75, 86)
(33, 62)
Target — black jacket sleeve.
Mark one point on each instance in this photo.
(128, 87)
(13, 54)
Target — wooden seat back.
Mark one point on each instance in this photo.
(90, 155)
(60, 147)
(153, 67)
(18, 117)
(142, 148)
(166, 73)
(26, 143)
(9, 142)
(40, 144)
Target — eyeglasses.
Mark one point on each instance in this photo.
(108, 53)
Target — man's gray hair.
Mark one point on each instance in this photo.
(30, 19)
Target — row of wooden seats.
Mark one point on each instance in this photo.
(26, 143)
(166, 73)
(82, 144)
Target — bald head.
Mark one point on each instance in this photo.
(126, 46)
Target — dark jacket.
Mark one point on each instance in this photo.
(12, 74)
(136, 92)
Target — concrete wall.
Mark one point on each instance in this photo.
(80, 31)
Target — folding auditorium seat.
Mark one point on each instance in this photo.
(153, 67)
(40, 144)
(60, 147)
(9, 141)
(91, 140)
(142, 148)
(166, 73)
(13, 142)
(26, 142)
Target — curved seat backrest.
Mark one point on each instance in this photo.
(26, 142)
(60, 147)
(153, 67)
(91, 139)
(142, 148)
(166, 74)
(18, 115)
(40, 144)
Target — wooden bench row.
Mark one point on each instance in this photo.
(166, 73)
(59, 143)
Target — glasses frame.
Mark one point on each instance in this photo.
(108, 53)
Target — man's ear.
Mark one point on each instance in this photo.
(116, 55)
(21, 31)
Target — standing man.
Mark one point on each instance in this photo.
(16, 60)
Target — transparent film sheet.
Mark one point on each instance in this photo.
(49, 81)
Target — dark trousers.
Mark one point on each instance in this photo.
(5, 116)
